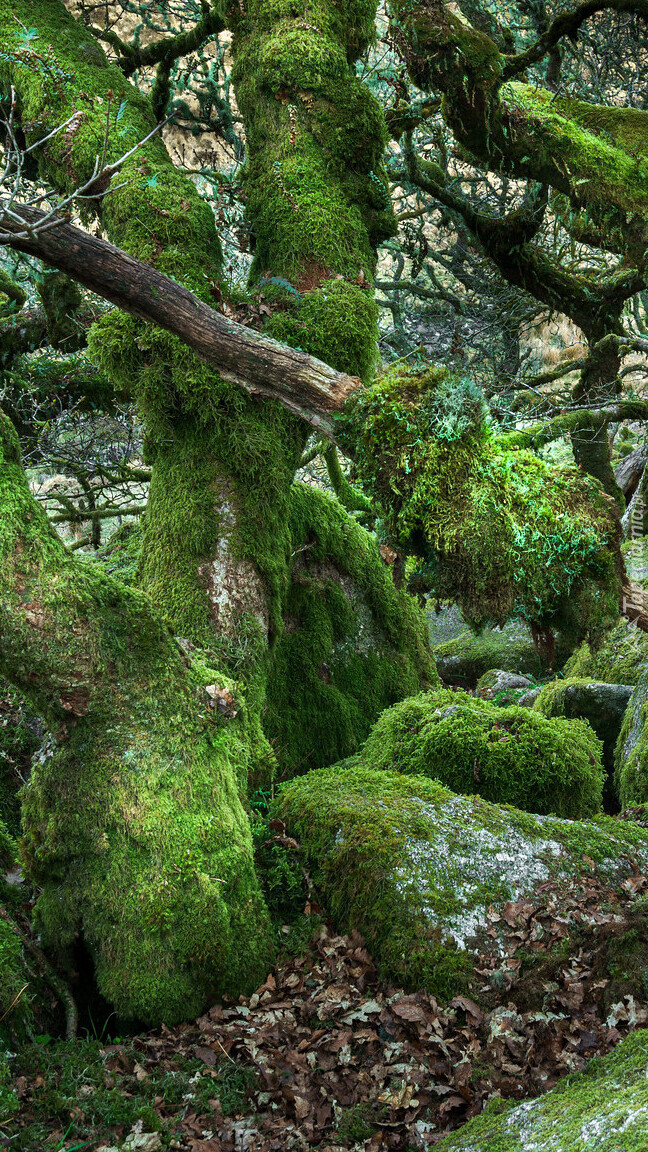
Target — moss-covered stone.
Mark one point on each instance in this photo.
(618, 658)
(500, 531)
(604, 1107)
(352, 643)
(603, 706)
(631, 753)
(508, 755)
(503, 687)
(415, 868)
(463, 659)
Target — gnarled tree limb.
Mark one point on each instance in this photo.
(262, 366)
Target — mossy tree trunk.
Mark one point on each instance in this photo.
(134, 823)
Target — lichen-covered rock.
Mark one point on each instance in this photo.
(619, 659)
(602, 705)
(416, 868)
(508, 755)
(602, 1108)
(352, 643)
(502, 687)
(631, 753)
(462, 659)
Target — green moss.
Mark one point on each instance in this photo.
(618, 656)
(499, 531)
(415, 868)
(120, 554)
(508, 755)
(317, 195)
(464, 658)
(19, 740)
(604, 1107)
(631, 753)
(352, 644)
(135, 831)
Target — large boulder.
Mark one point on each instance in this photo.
(631, 754)
(431, 879)
(602, 705)
(619, 659)
(508, 755)
(352, 643)
(601, 1109)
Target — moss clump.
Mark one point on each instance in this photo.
(415, 868)
(508, 755)
(120, 554)
(603, 706)
(352, 643)
(497, 530)
(618, 657)
(336, 323)
(604, 1107)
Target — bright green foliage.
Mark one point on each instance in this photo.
(352, 643)
(415, 868)
(134, 826)
(120, 554)
(508, 755)
(317, 195)
(604, 1107)
(499, 531)
(618, 657)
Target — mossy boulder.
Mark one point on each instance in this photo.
(508, 755)
(418, 869)
(604, 1107)
(631, 753)
(503, 687)
(463, 659)
(619, 658)
(352, 643)
(603, 706)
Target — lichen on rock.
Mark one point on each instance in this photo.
(416, 868)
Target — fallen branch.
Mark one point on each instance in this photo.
(262, 366)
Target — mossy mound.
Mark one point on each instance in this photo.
(464, 658)
(495, 528)
(604, 1107)
(508, 755)
(416, 868)
(631, 753)
(603, 706)
(619, 658)
(352, 643)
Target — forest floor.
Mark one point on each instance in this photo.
(324, 1054)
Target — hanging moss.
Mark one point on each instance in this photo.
(499, 531)
(507, 755)
(352, 643)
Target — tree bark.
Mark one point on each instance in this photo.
(262, 366)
